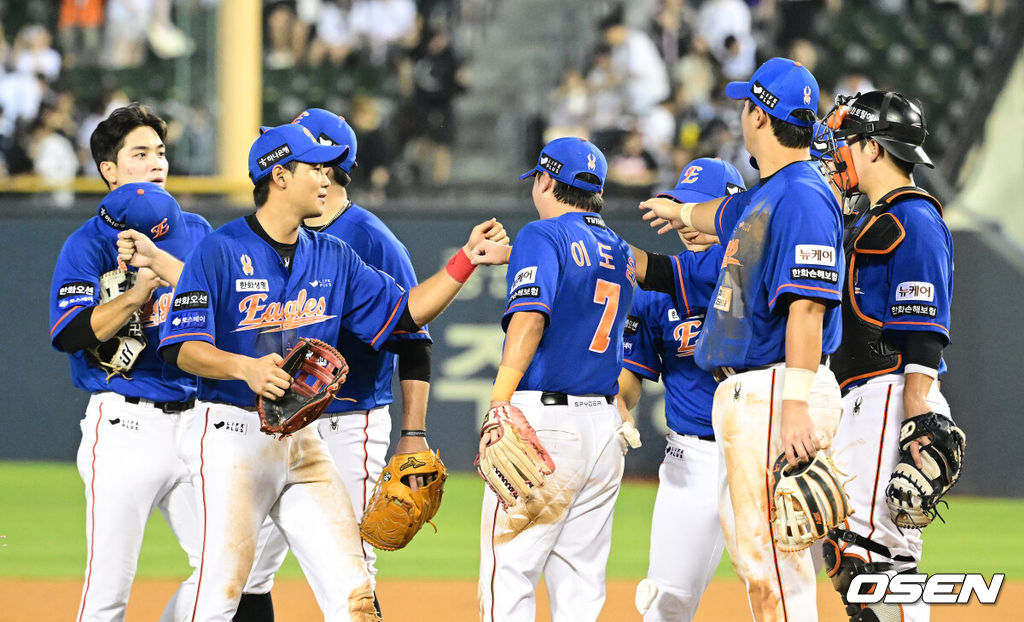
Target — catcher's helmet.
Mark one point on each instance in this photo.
(893, 120)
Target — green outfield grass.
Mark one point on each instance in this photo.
(42, 533)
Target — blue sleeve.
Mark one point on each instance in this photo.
(192, 316)
(805, 255)
(373, 301)
(727, 216)
(639, 346)
(395, 261)
(696, 275)
(76, 283)
(533, 270)
(920, 273)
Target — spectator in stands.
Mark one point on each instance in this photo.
(635, 61)
(657, 130)
(376, 148)
(568, 108)
(720, 19)
(797, 16)
(32, 53)
(20, 96)
(737, 57)
(607, 100)
(78, 28)
(127, 22)
(854, 81)
(53, 156)
(334, 40)
(382, 25)
(632, 166)
(281, 23)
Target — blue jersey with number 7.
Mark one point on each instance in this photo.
(580, 275)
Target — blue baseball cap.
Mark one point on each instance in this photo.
(779, 87)
(287, 143)
(148, 209)
(565, 158)
(330, 129)
(705, 179)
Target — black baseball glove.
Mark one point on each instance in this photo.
(912, 492)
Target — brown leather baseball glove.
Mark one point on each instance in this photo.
(395, 513)
(317, 371)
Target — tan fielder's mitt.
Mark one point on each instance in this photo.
(317, 372)
(516, 462)
(807, 501)
(395, 513)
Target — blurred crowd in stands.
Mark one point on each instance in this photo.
(651, 94)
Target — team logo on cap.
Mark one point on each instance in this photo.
(764, 96)
(550, 164)
(691, 174)
(160, 229)
(270, 159)
(324, 139)
(246, 265)
(807, 94)
(591, 161)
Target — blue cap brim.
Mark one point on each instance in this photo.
(687, 196)
(530, 173)
(737, 90)
(322, 154)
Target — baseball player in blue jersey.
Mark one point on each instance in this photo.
(109, 326)
(570, 283)
(357, 425)
(895, 325)
(245, 295)
(774, 318)
(660, 338)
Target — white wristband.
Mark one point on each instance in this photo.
(684, 213)
(921, 369)
(796, 384)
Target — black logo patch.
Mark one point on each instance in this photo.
(731, 188)
(107, 218)
(550, 164)
(815, 273)
(632, 325)
(77, 288)
(531, 291)
(595, 221)
(190, 300)
(764, 96)
(268, 160)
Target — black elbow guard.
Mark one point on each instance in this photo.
(659, 274)
(924, 348)
(414, 360)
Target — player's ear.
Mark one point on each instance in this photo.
(108, 170)
(279, 177)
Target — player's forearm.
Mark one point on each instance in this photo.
(415, 394)
(640, 256)
(109, 317)
(630, 389)
(203, 359)
(522, 338)
(702, 218)
(803, 334)
(167, 267)
(915, 393)
(428, 299)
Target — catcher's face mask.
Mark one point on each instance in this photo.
(842, 171)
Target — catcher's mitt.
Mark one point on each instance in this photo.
(516, 462)
(395, 512)
(912, 493)
(317, 372)
(807, 501)
(118, 354)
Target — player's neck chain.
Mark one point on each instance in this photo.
(323, 227)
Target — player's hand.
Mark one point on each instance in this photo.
(916, 446)
(490, 253)
(492, 435)
(136, 249)
(146, 282)
(488, 230)
(696, 241)
(264, 376)
(662, 213)
(798, 438)
(410, 445)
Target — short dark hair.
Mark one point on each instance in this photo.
(907, 168)
(341, 178)
(261, 191)
(108, 137)
(578, 197)
(789, 135)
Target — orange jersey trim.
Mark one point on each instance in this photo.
(817, 289)
(634, 363)
(682, 287)
(61, 319)
(187, 335)
(523, 304)
(388, 322)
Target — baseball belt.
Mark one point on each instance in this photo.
(721, 373)
(166, 407)
(553, 398)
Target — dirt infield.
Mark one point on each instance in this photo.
(444, 601)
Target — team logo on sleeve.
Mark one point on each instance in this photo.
(915, 290)
(190, 300)
(78, 288)
(816, 254)
(246, 265)
(526, 276)
(531, 291)
(278, 316)
(189, 321)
